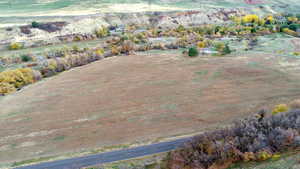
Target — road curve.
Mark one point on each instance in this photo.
(89, 160)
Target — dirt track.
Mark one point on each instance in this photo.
(135, 98)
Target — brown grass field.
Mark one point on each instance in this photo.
(137, 98)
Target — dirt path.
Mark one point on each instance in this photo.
(135, 98)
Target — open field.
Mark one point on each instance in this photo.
(137, 98)
(111, 90)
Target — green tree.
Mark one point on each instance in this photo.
(35, 24)
(193, 52)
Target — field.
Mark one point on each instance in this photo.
(138, 98)
(129, 97)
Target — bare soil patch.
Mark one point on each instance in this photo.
(136, 98)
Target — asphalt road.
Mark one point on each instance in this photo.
(79, 162)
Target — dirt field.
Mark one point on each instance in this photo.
(129, 99)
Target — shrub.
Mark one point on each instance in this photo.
(99, 52)
(115, 50)
(270, 20)
(201, 44)
(77, 38)
(127, 47)
(35, 24)
(250, 19)
(26, 58)
(251, 139)
(284, 26)
(75, 48)
(280, 108)
(16, 78)
(15, 46)
(292, 19)
(180, 28)
(6, 88)
(222, 48)
(226, 50)
(290, 32)
(294, 27)
(52, 64)
(102, 32)
(193, 52)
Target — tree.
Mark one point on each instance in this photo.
(226, 50)
(193, 52)
(35, 24)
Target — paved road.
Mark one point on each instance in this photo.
(79, 162)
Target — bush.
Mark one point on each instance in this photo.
(99, 52)
(280, 108)
(294, 27)
(226, 50)
(256, 138)
(75, 48)
(127, 47)
(15, 46)
(290, 32)
(222, 48)
(193, 52)
(250, 19)
(26, 58)
(15, 79)
(115, 50)
(35, 24)
(6, 88)
(201, 44)
(102, 32)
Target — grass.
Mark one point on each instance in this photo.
(68, 155)
(146, 162)
(59, 138)
(31, 161)
(288, 161)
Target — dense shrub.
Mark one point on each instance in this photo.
(294, 27)
(127, 47)
(222, 48)
(280, 108)
(193, 52)
(226, 50)
(115, 50)
(6, 88)
(15, 46)
(102, 32)
(201, 44)
(255, 138)
(99, 52)
(250, 19)
(75, 48)
(15, 79)
(26, 58)
(290, 32)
